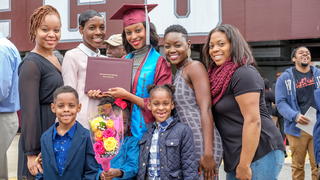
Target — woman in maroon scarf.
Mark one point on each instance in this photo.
(252, 145)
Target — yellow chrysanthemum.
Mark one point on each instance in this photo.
(110, 143)
(110, 123)
(95, 123)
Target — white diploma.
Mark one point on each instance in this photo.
(311, 114)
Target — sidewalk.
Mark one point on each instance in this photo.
(12, 155)
(284, 175)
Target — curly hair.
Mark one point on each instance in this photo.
(167, 87)
(37, 18)
(178, 29)
(154, 38)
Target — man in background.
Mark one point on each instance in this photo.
(295, 94)
(9, 99)
(114, 46)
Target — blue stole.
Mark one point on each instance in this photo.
(146, 78)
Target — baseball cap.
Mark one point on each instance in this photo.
(114, 40)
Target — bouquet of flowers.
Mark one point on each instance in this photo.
(107, 130)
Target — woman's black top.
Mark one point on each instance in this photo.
(38, 79)
(229, 120)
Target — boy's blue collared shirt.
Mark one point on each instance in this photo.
(154, 155)
(61, 145)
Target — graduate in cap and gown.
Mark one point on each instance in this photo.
(149, 67)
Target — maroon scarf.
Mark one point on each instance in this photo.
(219, 77)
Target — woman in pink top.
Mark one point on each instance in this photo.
(74, 66)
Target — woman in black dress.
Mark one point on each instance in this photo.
(39, 76)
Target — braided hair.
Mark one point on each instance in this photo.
(37, 18)
(167, 87)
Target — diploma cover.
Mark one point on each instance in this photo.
(104, 73)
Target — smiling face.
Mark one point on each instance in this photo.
(48, 33)
(161, 105)
(136, 35)
(66, 106)
(176, 48)
(219, 48)
(302, 57)
(93, 32)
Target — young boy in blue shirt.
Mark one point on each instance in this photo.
(66, 147)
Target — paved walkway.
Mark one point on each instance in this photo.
(12, 154)
(285, 173)
(13, 161)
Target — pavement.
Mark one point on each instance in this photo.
(12, 155)
(285, 173)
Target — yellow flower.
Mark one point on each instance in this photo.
(95, 123)
(110, 123)
(98, 136)
(110, 144)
